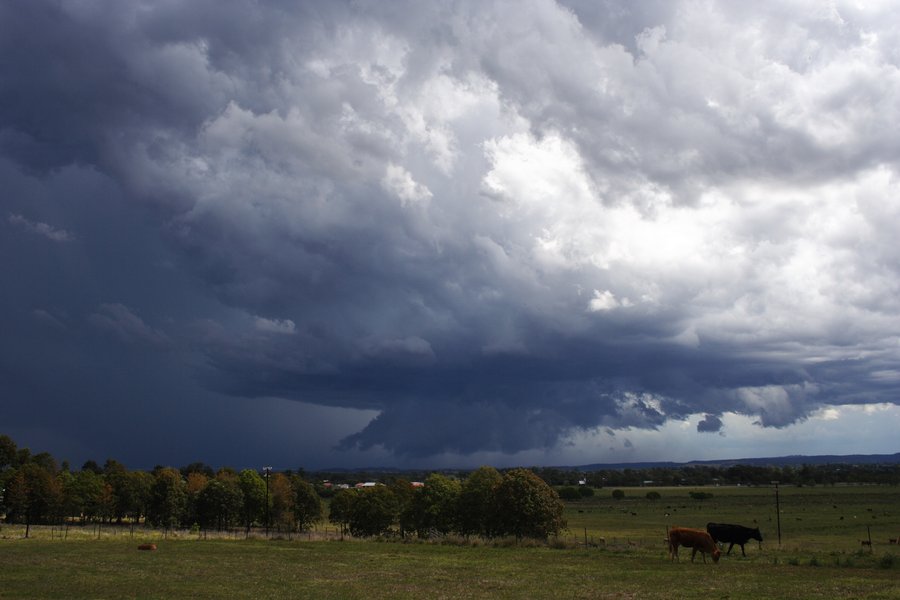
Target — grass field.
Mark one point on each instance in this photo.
(820, 557)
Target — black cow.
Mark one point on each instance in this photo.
(734, 534)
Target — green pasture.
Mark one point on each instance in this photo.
(820, 519)
(820, 556)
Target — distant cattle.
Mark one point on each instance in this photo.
(733, 534)
(147, 547)
(695, 539)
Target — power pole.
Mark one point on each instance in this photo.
(266, 472)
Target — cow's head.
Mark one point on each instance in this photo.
(756, 535)
(715, 555)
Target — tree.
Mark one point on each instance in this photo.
(135, 498)
(281, 498)
(373, 511)
(340, 509)
(253, 488)
(33, 495)
(527, 507)
(219, 503)
(307, 504)
(81, 494)
(194, 484)
(434, 508)
(116, 476)
(167, 498)
(198, 467)
(7, 452)
(476, 502)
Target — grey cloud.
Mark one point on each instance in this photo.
(496, 224)
(127, 326)
(48, 231)
(710, 423)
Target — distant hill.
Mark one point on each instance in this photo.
(773, 461)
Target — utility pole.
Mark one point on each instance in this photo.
(266, 472)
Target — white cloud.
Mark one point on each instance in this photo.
(400, 182)
(284, 326)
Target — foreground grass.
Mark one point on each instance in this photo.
(43, 568)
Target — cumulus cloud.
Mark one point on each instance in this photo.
(538, 219)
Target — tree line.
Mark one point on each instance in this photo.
(36, 490)
(740, 474)
(487, 503)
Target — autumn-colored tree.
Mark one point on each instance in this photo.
(194, 483)
(281, 499)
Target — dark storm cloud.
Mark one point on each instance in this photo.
(494, 224)
(710, 423)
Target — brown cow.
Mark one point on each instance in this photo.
(696, 539)
(147, 547)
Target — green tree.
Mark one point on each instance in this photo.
(435, 507)
(8, 452)
(307, 504)
(253, 488)
(219, 503)
(373, 511)
(167, 498)
(477, 503)
(81, 494)
(340, 509)
(527, 506)
(116, 475)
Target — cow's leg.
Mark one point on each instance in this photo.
(742, 551)
(730, 547)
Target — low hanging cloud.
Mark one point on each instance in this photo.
(496, 224)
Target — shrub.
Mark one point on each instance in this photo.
(569, 493)
(585, 491)
(887, 561)
(701, 495)
(618, 494)
(653, 496)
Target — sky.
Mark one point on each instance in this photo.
(446, 234)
